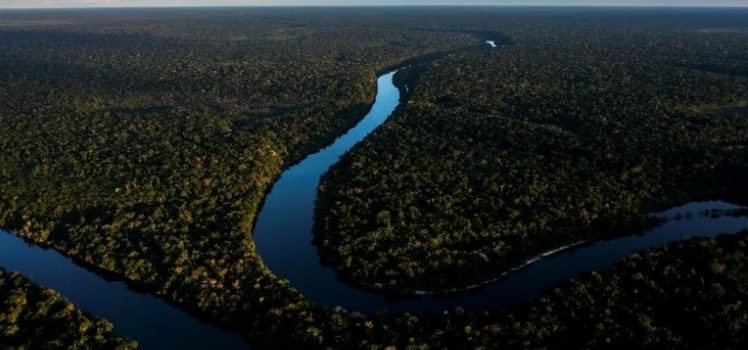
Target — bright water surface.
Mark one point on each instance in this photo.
(142, 317)
(284, 233)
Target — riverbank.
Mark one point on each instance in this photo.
(381, 286)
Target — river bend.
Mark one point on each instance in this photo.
(283, 234)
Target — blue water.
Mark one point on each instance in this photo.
(142, 317)
(284, 229)
(283, 234)
(151, 321)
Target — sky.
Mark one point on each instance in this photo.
(138, 3)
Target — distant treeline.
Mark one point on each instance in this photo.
(576, 131)
(142, 142)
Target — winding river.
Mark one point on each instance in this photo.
(151, 321)
(283, 234)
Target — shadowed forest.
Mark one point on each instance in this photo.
(142, 143)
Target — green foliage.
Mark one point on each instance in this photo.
(33, 317)
(142, 142)
(686, 295)
(576, 131)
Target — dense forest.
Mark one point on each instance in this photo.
(574, 132)
(142, 143)
(33, 317)
(686, 295)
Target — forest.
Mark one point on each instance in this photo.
(33, 317)
(686, 295)
(142, 143)
(574, 132)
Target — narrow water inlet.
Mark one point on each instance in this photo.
(151, 321)
(284, 233)
(283, 236)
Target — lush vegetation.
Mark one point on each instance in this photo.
(143, 142)
(145, 146)
(686, 295)
(33, 317)
(576, 131)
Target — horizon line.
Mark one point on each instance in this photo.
(166, 6)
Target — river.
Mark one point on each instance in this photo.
(283, 234)
(284, 229)
(152, 322)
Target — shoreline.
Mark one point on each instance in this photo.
(527, 263)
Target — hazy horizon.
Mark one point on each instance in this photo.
(8, 4)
